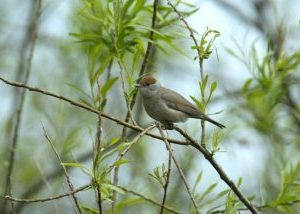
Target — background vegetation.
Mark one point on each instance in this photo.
(102, 153)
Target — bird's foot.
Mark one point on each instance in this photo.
(165, 126)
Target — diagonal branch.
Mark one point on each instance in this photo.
(191, 142)
(47, 199)
(168, 145)
(147, 54)
(148, 199)
(200, 60)
(209, 157)
(263, 207)
(87, 108)
(64, 169)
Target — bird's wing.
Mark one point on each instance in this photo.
(177, 102)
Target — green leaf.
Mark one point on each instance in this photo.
(107, 86)
(198, 179)
(207, 191)
(83, 168)
(219, 195)
(78, 89)
(72, 164)
(203, 83)
(113, 141)
(198, 103)
(127, 202)
(108, 154)
(216, 140)
(102, 68)
(240, 181)
(213, 87)
(88, 209)
(120, 162)
(246, 85)
(113, 187)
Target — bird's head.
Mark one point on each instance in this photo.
(148, 86)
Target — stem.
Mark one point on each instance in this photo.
(208, 156)
(178, 168)
(167, 183)
(146, 57)
(64, 170)
(202, 140)
(89, 109)
(190, 142)
(47, 199)
(98, 148)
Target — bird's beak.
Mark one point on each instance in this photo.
(137, 85)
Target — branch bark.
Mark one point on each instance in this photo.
(209, 157)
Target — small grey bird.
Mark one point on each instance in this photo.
(167, 106)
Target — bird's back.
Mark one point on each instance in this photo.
(177, 102)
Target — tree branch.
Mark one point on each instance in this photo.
(167, 181)
(148, 199)
(46, 199)
(209, 157)
(87, 108)
(148, 51)
(178, 168)
(64, 170)
(200, 60)
(191, 142)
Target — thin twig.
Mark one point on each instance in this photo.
(148, 199)
(64, 168)
(147, 54)
(33, 189)
(191, 35)
(142, 71)
(202, 139)
(168, 145)
(191, 142)
(266, 206)
(98, 147)
(135, 140)
(58, 171)
(48, 187)
(208, 156)
(125, 95)
(167, 181)
(122, 154)
(46, 199)
(31, 39)
(87, 108)
(200, 60)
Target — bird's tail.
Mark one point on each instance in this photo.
(204, 117)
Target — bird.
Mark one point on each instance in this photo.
(167, 106)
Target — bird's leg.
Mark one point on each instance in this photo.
(168, 126)
(165, 126)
